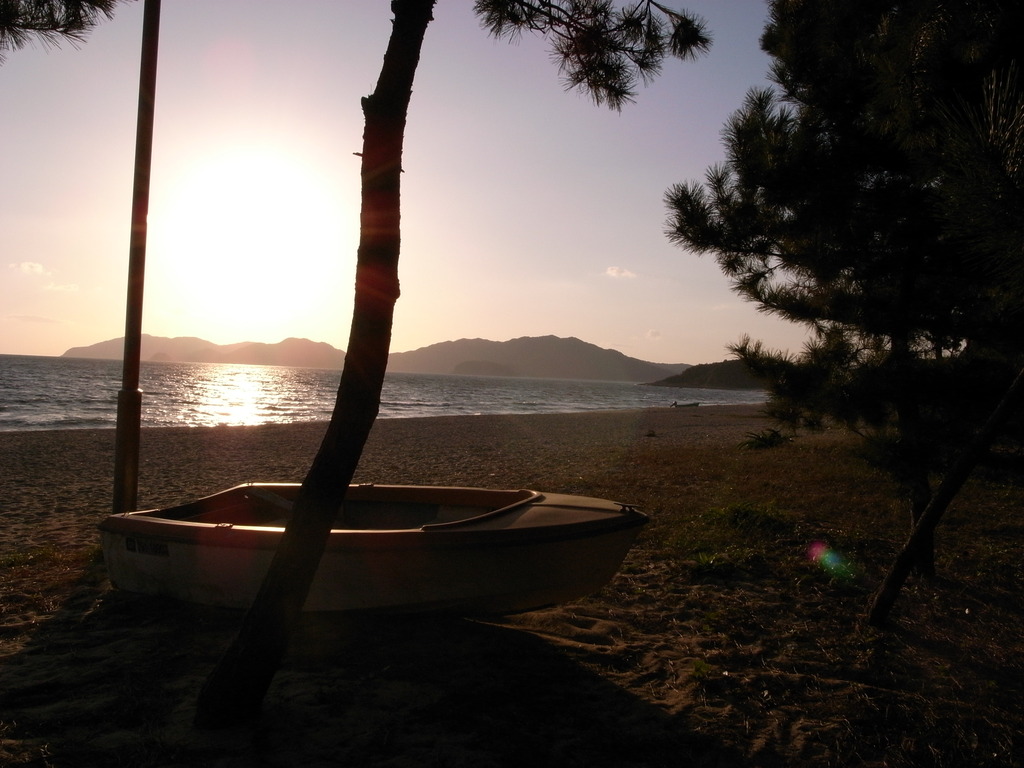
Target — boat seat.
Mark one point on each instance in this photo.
(270, 498)
(263, 507)
(369, 515)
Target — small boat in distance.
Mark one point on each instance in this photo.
(392, 549)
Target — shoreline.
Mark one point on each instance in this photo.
(111, 425)
(729, 409)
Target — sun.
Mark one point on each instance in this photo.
(251, 244)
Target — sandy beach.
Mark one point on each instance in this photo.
(682, 660)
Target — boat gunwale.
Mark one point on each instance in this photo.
(149, 525)
(182, 514)
(340, 541)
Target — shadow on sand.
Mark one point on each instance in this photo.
(111, 679)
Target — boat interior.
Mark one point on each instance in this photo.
(366, 508)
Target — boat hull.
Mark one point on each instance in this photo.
(539, 550)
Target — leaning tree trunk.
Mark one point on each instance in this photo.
(913, 466)
(235, 689)
(920, 493)
(924, 531)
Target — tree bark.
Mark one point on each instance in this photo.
(923, 533)
(924, 550)
(235, 690)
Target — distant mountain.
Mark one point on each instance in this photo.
(296, 353)
(728, 374)
(547, 357)
(299, 353)
(543, 357)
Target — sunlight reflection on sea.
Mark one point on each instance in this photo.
(70, 393)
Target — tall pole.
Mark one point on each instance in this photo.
(129, 398)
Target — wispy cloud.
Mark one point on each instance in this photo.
(35, 269)
(653, 333)
(28, 268)
(619, 273)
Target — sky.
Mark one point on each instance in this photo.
(526, 209)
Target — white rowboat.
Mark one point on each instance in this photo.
(393, 549)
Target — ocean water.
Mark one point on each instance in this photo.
(73, 393)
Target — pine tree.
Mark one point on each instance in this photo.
(832, 211)
(49, 21)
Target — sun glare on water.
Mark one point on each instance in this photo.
(250, 244)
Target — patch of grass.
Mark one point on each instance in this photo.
(766, 438)
(713, 565)
(49, 557)
(723, 541)
(42, 556)
(41, 578)
(702, 670)
(754, 518)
